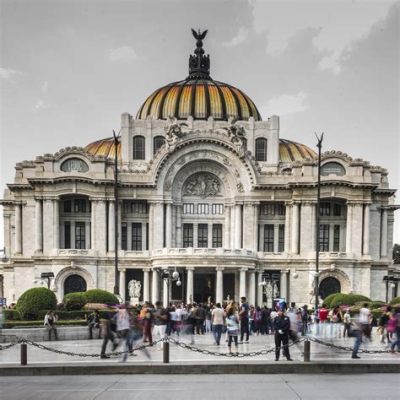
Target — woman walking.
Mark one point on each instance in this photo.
(232, 328)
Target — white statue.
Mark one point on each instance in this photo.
(134, 289)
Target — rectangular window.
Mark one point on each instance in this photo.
(202, 240)
(281, 241)
(67, 235)
(273, 209)
(325, 209)
(217, 235)
(187, 235)
(138, 207)
(336, 238)
(269, 238)
(80, 205)
(67, 206)
(217, 208)
(188, 208)
(136, 236)
(337, 210)
(324, 237)
(80, 235)
(124, 236)
(139, 148)
(202, 208)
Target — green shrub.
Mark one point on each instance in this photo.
(348, 299)
(39, 324)
(34, 300)
(100, 296)
(11, 315)
(74, 301)
(354, 298)
(327, 300)
(395, 300)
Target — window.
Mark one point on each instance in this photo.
(138, 207)
(67, 235)
(67, 206)
(273, 209)
(188, 208)
(261, 149)
(324, 209)
(324, 237)
(202, 208)
(217, 208)
(269, 238)
(139, 148)
(332, 168)
(202, 239)
(80, 235)
(336, 238)
(187, 235)
(217, 235)
(74, 165)
(124, 236)
(80, 205)
(158, 142)
(136, 236)
(281, 238)
(337, 210)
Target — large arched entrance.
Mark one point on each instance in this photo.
(74, 283)
(329, 286)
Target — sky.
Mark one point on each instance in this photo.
(69, 69)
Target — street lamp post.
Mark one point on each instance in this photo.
(317, 218)
(116, 199)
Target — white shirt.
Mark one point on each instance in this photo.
(364, 316)
(217, 316)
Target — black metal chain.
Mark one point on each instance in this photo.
(345, 348)
(7, 346)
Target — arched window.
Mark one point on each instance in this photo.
(139, 148)
(261, 149)
(158, 142)
(328, 286)
(74, 165)
(332, 168)
(74, 283)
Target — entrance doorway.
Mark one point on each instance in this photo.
(204, 287)
(328, 286)
(74, 283)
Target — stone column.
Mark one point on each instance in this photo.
(287, 227)
(1, 286)
(122, 283)
(306, 228)
(295, 228)
(252, 287)
(238, 226)
(248, 226)
(155, 288)
(219, 295)
(174, 226)
(18, 229)
(38, 226)
(47, 226)
(146, 284)
(349, 223)
(357, 229)
(93, 204)
(119, 225)
(179, 226)
(56, 224)
(366, 229)
(7, 234)
(259, 289)
(384, 230)
(189, 285)
(195, 235)
(151, 223)
(227, 227)
(144, 236)
(168, 226)
(158, 225)
(256, 212)
(284, 285)
(165, 292)
(101, 231)
(210, 236)
(242, 287)
(111, 226)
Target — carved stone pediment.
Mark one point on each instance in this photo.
(174, 132)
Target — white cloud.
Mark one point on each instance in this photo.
(286, 104)
(239, 38)
(339, 24)
(40, 105)
(44, 87)
(123, 53)
(8, 74)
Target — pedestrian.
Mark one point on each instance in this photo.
(217, 320)
(161, 317)
(305, 318)
(396, 317)
(281, 327)
(365, 321)
(244, 320)
(136, 333)
(257, 320)
(232, 328)
(357, 333)
(200, 316)
(382, 325)
(123, 322)
(108, 330)
(147, 320)
(265, 320)
(208, 323)
(50, 320)
(93, 322)
(347, 323)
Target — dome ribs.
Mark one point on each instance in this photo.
(222, 100)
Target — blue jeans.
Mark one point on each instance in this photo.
(358, 336)
(217, 332)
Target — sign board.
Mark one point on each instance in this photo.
(3, 302)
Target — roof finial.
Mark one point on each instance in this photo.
(199, 64)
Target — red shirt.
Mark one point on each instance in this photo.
(323, 314)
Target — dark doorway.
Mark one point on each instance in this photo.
(229, 286)
(74, 283)
(204, 287)
(328, 286)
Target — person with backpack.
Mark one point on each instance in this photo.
(108, 329)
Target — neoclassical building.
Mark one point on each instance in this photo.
(206, 188)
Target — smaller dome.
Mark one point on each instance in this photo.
(288, 151)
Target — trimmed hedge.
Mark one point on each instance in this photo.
(11, 315)
(39, 324)
(395, 300)
(328, 299)
(34, 300)
(348, 299)
(100, 296)
(74, 301)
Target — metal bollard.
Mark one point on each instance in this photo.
(166, 352)
(24, 354)
(307, 344)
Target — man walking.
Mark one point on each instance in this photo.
(217, 320)
(161, 317)
(244, 319)
(281, 326)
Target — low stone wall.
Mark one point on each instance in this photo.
(41, 334)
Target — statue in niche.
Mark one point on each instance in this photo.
(134, 288)
(203, 185)
(173, 131)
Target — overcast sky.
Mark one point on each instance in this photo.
(68, 69)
